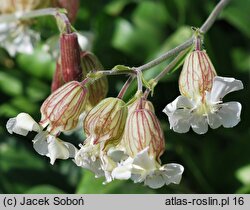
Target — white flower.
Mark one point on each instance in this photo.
(17, 38)
(53, 147)
(22, 124)
(198, 113)
(88, 157)
(144, 168)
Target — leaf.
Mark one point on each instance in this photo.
(121, 68)
(44, 189)
(237, 14)
(7, 81)
(243, 175)
(115, 7)
(241, 59)
(89, 184)
(39, 64)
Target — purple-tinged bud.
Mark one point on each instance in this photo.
(99, 88)
(61, 110)
(70, 58)
(197, 75)
(106, 121)
(143, 130)
(57, 81)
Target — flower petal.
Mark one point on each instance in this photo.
(214, 120)
(230, 114)
(173, 173)
(40, 143)
(22, 124)
(199, 124)
(144, 161)
(179, 114)
(84, 160)
(155, 180)
(57, 150)
(222, 86)
(123, 171)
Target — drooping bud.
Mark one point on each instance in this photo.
(57, 81)
(70, 58)
(99, 88)
(106, 121)
(197, 75)
(143, 130)
(71, 6)
(61, 110)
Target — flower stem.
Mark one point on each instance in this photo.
(27, 15)
(171, 65)
(139, 80)
(204, 28)
(56, 12)
(125, 87)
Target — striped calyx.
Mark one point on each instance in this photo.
(61, 110)
(99, 88)
(143, 130)
(106, 121)
(70, 57)
(197, 75)
(141, 103)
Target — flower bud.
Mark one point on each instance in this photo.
(71, 6)
(197, 75)
(70, 58)
(141, 103)
(106, 121)
(57, 78)
(61, 110)
(99, 88)
(143, 130)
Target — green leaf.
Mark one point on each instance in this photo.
(237, 14)
(7, 81)
(121, 68)
(243, 175)
(44, 189)
(39, 64)
(241, 59)
(90, 185)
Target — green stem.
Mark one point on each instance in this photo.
(28, 15)
(125, 87)
(204, 28)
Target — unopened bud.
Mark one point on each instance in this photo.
(61, 110)
(70, 58)
(99, 88)
(106, 121)
(143, 130)
(197, 75)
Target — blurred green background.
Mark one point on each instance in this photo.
(132, 32)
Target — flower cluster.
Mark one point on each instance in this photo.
(126, 143)
(200, 103)
(123, 140)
